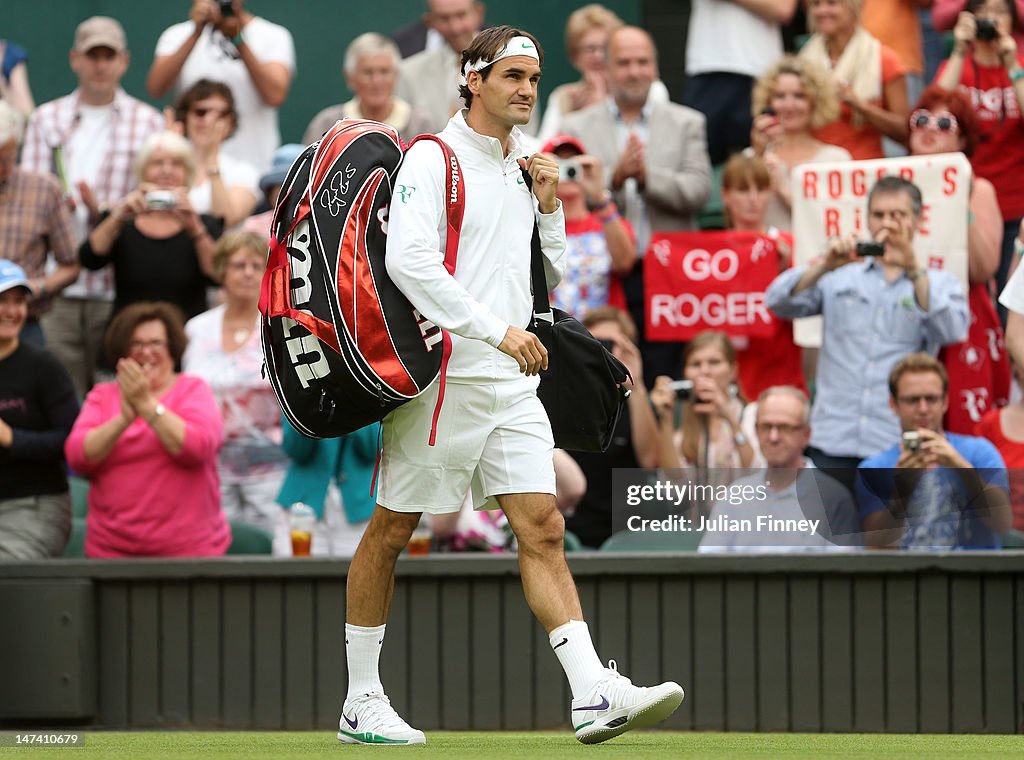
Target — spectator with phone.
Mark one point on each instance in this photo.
(793, 98)
(159, 247)
(600, 245)
(933, 489)
(878, 304)
(255, 58)
(717, 425)
(987, 66)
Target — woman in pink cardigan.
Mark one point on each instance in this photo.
(148, 445)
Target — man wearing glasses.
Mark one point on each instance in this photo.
(802, 509)
(878, 306)
(933, 489)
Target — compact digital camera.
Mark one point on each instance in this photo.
(569, 170)
(870, 248)
(985, 29)
(161, 200)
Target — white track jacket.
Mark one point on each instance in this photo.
(491, 286)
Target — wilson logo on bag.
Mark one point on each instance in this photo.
(342, 344)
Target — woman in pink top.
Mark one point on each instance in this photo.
(148, 445)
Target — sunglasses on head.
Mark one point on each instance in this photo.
(922, 119)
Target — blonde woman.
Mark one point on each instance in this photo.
(869, 78)
(793, 98)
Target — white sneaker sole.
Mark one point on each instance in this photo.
(644, 715)
(380, 741)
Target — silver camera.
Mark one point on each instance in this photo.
(912, 441)
(683, 389)
(569, 170)
(161, 200)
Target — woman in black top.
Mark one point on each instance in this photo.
(161, 249)
(37, 409)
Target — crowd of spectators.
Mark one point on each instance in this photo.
(132, 245)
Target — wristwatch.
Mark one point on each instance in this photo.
(158, 411)
(739, 439)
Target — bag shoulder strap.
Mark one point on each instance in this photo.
(538, 282)
(455, 193)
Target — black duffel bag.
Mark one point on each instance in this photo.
(582, 388)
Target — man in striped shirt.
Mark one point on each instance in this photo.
(89, 139)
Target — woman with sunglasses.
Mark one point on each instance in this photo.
(979, 375)
(224, 350)
(148, 444)
(988, 67)
(224, 186)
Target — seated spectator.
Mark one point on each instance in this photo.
(634, 442)
(600, 246)
(815, 512)
(371, 72)
(14, 87)
(147, 443)
(869, 78)
(991, 73)
(1012, 298)
(1005, 429)
(933, 489)
(334, 477)
(717, 428)
(586, 42)
(34, 220)
(270, 186)
(37, 408)
(224, 349)
(160, 248)
(793, 98)
(876, 310)
(773, 359)
(252, 56)
(979, 370)
(224, 186)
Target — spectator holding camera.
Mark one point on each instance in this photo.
(794, 97)
(879, 304)
(717, 426)
(946, 12)
(223, 186)
(159, 247)
(933, 489)
(600, 246)
(255, 58)
(986, 65)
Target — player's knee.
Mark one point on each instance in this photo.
(393, 530)
(544, 532)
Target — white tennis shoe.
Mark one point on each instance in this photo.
(614, 705)
(370, 719)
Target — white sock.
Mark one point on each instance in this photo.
(362, 650)
(575, 650)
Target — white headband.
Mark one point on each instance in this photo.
(515, 46)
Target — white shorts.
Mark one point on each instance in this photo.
(491, 440)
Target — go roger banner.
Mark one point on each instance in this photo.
(696, 281)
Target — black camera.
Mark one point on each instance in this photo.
(870, 248)
(227, 8)
(767, 111)
(985, 29)
(683, 389)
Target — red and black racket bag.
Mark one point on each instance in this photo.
(343, 346)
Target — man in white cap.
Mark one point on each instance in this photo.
(89, 140)
(493, 437)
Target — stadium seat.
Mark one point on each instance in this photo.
(79, 489)
(630, 541)
(572, 542)
(75, 548)
(712, 215)
(248, 539)
(1013, 539)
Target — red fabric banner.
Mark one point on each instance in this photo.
(696, 281)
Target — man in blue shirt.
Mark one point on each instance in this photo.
(933, 490)
(876, 310)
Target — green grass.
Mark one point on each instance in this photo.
(544, 745)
